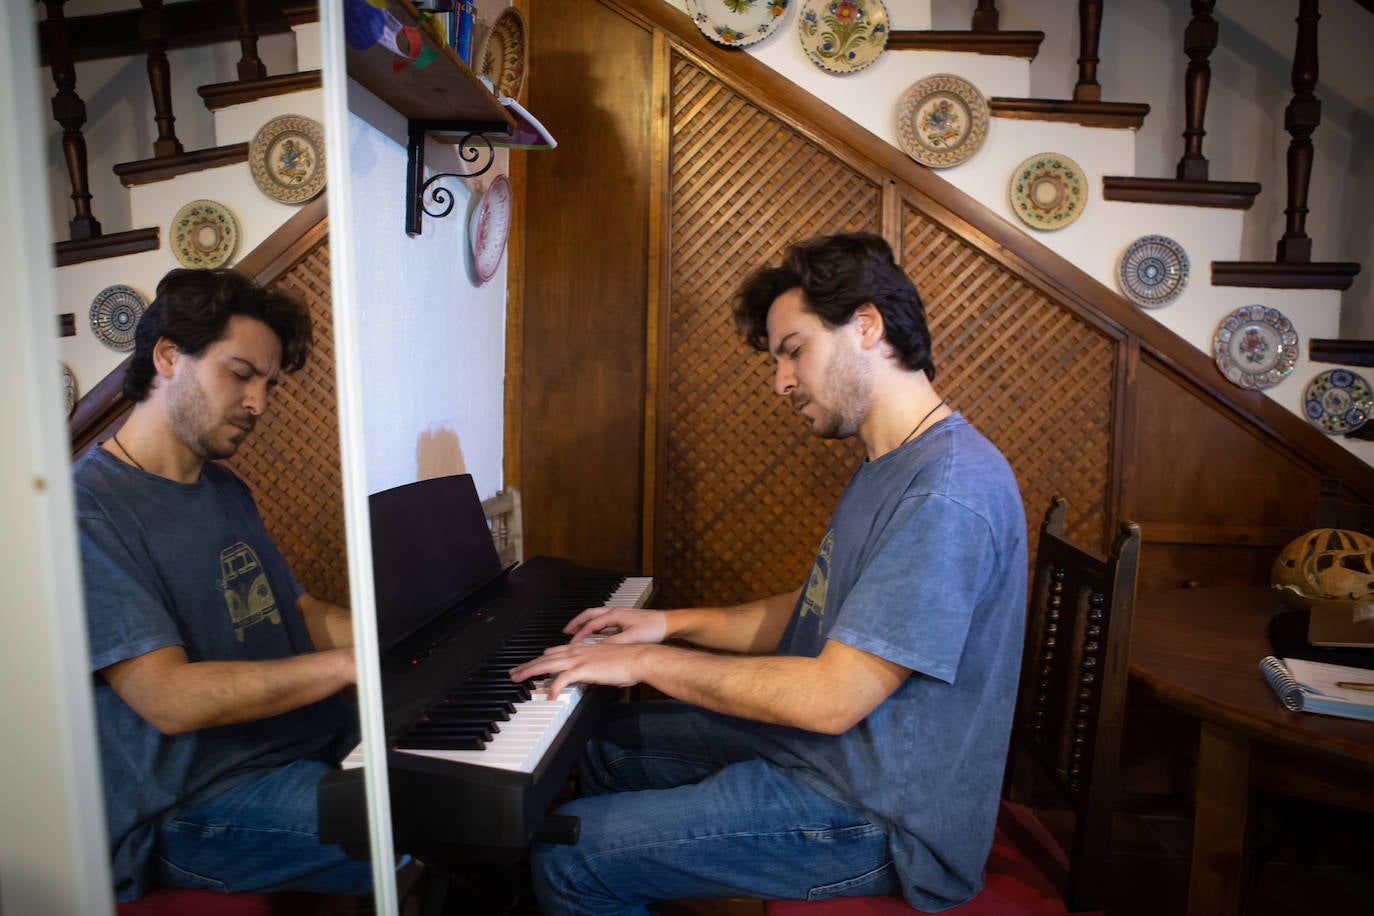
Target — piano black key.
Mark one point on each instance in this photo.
(442, 742)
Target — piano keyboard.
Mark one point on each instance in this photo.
(488, 720)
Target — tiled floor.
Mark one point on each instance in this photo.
(1308, 859)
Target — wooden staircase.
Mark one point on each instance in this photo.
(718, 159)
(98, 255)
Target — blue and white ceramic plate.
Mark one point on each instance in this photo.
(1337, 401)
(1255, 347)
(114, 316)
(1153, 271)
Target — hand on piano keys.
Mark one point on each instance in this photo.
(614, 624)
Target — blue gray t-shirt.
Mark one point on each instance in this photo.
(924, 564)
(165, 564)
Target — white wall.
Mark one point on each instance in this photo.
(433, 339)
(52, 836)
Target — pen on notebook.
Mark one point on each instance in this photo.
(1355, 685)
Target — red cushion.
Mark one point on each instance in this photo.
(1024, 873)
(181, 901)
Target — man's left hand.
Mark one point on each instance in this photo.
(601, 663)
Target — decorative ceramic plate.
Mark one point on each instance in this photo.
(502, 55)
(1337, 401)
(737, 23)
(114, 316)
(843, 36)
(1153, 271)
(1047, 191)
(204, 234)
(489, 228)
(286, 158)
(68, 388)
(1255, 347)
(942, 120)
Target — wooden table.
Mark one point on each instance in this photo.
(1198, 650)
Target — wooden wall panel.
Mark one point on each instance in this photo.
(747, 490)
(1031, 375)
(291, 461)
(580, 380)
(1217, 500)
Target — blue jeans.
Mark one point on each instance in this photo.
(685, 808)
(260, 835)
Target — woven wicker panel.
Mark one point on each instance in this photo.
(1029, 374)
(747, 490)
(292, 459)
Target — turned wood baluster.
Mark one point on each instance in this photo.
(1300, 119)
(152, 31)
(250, 65)
(985, 16)
(1199, 41)
(70, 111)
(1088, 88)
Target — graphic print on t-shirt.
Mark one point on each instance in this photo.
(246, 589)
(813, 602)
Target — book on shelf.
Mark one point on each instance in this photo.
(1333, 690)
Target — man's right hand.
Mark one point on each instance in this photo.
(635, 625)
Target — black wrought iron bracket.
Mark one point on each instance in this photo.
(472, 145)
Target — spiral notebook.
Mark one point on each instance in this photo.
(1333, 690)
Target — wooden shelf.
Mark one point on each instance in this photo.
(446, 90)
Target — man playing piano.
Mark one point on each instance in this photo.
(215, 673)
(848, 737)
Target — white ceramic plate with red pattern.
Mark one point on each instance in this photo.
(490, 227)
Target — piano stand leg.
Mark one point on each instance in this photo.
(562, 829)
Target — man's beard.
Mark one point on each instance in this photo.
(189, 411)
(845, 396)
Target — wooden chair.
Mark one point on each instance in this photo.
(1068, 719)
(181, 901)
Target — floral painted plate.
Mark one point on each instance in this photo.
(1337, 401)
(204, 234)
(490, 227)
(737, 23)
(843, 36)
(1153, 271)
(502, 55)
(942, 120)
(68, 389)
(1255, 347)
(114, 316)
(1047, 191)
(286, 158)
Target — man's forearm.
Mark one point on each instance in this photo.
(754, 628)
(785, 690)
(180, 696)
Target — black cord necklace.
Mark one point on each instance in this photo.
(120, 445)
(909, 435)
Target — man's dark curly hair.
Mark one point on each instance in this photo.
(836, 274)
(192, 309)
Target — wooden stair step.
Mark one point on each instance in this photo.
(1126, 115)
(1004, 44)
(107, 246)
(222, 95)
(1341, 350)
(1285, 275)
(161, 168)
(1235, 195)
